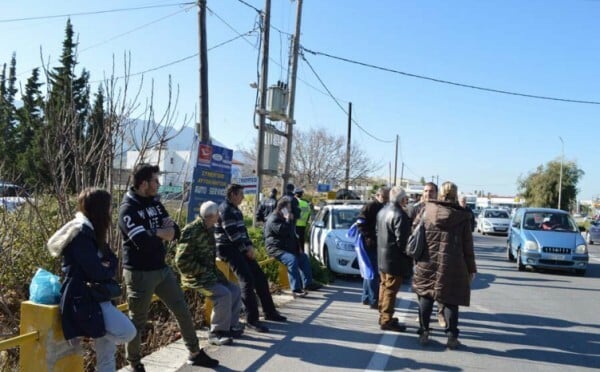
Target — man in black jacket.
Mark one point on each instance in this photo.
(368, 214)
(145, 224)
(267, 205)
(235, 248)
(393, 229)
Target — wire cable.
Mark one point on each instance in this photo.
(182, 59)
(9, 20)
(250, 6)
(364, 64)
(339, 105)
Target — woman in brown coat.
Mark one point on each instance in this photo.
(447, 267)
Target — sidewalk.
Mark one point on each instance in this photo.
(328, 330)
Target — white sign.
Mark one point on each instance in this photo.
(249, 183)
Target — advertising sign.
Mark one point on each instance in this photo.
(211, 176)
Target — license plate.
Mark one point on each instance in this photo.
(557, 257)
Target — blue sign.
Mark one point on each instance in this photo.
(323, 187)
(211, 176)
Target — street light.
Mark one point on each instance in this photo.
(562, 156)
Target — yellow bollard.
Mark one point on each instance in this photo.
(284, 279)
(50, 352)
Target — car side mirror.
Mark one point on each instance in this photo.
(319, 224)
(515, 225)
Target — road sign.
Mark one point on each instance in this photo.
(323, 187)
(249, 183)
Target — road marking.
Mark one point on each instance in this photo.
(595, 259)
(384, 349)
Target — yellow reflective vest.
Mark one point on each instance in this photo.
(304, 213)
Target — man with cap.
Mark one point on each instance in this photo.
(267, 205)
(302, 221)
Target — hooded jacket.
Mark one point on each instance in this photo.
(443, 272)
(82, 262)
(280, 236)
(139, 217)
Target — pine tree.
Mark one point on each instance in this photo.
(8, 119)
(67, 110)
(30, 135)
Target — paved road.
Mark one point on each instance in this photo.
(521, 321)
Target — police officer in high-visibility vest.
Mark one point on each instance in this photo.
(302, 222)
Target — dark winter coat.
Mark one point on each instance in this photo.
(81, 315)
(393, 229)
(368, 229)
(443, 272)
(279, 236)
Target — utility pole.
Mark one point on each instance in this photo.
(562, 157)
(262, 110)
(402, 174)
(348, 142)
(396, 162)
(292, 95)
(203, 131)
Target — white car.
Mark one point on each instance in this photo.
(328, 242)
(12, 196)
(493, 221)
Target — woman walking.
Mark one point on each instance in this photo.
(445, 270)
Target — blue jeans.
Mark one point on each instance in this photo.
(370, 293)
(119, 330)
(299, 271)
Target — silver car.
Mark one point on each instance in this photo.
(493, 221)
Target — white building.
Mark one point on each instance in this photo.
(175, 165)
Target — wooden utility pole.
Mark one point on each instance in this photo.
(292, 95)
(402, 174)
(396, 162)
(203, 130)
(348, 145)
(262, 110)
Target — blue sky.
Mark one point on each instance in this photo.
(479, 140)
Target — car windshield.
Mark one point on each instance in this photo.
(496, 214)
(549, 221)
(344, 218)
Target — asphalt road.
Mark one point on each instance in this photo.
(518, 321)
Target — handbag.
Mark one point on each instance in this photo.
(104, 291)
(416, 244)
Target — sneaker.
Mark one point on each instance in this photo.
(299, 293)
(237, 331)
(452, 343)
(202, 360)
(275, 317)
(441, 320)
(314, 286)
(257, 327)
(424, 338)
(393, 326)
(219, 338)
(374, 306)
(138, 368)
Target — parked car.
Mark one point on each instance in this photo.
(328, 242)
(12, 196)
(593, 233)
(493, 221)
(546, 238)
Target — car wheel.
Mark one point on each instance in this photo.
(482, 232)
(520, 265)
(509, 256)
(580, 272)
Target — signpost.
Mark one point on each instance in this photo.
(211, 176)
(250, 184)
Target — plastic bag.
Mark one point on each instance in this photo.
(44, 288)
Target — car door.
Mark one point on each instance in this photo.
(514, 232)
(317, 232)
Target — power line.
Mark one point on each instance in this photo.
(250, 6)
(338, 103)
(184, 58)
(450, 82)
(9, 20)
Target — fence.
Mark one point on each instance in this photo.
(43, 347)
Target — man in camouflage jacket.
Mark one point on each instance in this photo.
(195, 259)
